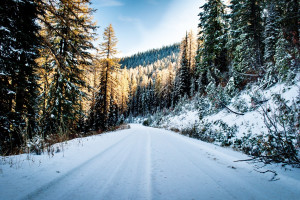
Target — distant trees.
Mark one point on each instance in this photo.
(151, 56)
(152, 85)
(159, 86)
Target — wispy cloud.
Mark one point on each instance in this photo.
(129, 19)
(109, 3)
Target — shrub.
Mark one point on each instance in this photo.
(146, 122)
(282, 122)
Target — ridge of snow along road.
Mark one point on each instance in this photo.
(143, 163)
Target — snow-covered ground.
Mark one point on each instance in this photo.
(251, 121)
(143, 163)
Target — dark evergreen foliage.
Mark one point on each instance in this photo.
(67, 42)
(18, 80)
(212, 56)
(184, 72)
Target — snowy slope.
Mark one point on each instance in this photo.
(143, 163)
(251, 121)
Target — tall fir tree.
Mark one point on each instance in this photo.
(68, 32)
(271, 36)
(184, 72)
(18, 79)
(287, 56)
(169, 86)
(109, 65)
(290, 13)
(212, 53)
(246, 41)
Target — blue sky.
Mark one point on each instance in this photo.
(144, 24)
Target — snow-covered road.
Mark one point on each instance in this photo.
(143, 163)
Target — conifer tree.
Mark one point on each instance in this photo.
(124, 88)
(212, 54)
(287, 56)
(271, 36)
(18, 79)
(290, 20)
(109, 65)
(68, 32)
(169, 86)
(192, 48)
(184, 72)
(246, 41)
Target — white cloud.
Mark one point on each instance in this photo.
(109, 3)
(129, 19)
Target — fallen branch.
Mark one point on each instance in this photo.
(250, 159)
(231, 110)
(271, 171)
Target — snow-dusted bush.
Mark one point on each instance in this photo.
(240, 105)
(227, 134)
(282, 122)
(204, 107)
(36, 144)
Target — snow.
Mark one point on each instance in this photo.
(251, 121)
(10, 92)
(2, 28)
(185, 119)
(142, 163)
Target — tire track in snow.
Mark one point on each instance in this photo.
(134, 178)
(44, 188)
(149, 166)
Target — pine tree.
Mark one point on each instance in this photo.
(290, 20)
(271, 34)
(68, 32)
(286, 65)
(18, 79)
(124, 88)
(184, 72)
(272, 28)
(212, 54)
(246, 41)
(287, 56)
(169, 86)
(192, 48)
(109, 65)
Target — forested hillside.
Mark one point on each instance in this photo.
(150, 57)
